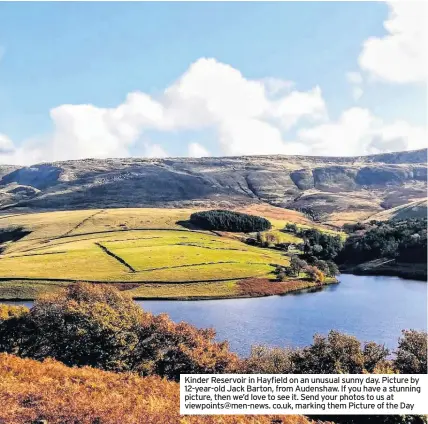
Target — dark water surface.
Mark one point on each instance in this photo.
(370, 308)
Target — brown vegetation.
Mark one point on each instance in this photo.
(96, 325)
(274, 212)
(264, 287)
(51, 391)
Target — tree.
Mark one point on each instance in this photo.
(321, 245)
(333, 269)
(224, 220)
(271, 239)
(297, 265)
(402, 240)
(98, 326)
(11, 318)
(335, 354)
(291, 228)
(412, 353)
(315, 274)
(321, 265)
(374, 356)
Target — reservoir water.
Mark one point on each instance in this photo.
(370, 308)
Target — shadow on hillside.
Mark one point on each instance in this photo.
(11, 234)
(189, 225)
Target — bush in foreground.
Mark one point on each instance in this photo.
(412, 353)
(32, 391)
(223, 220)
(98, 326)
(335, 354)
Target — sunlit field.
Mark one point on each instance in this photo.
(151, 250)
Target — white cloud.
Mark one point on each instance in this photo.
(290, 109)
(359, 132)
(401, 55)
(6, 145)
(245, 116)
(210, 95)
(155, 151)
(197, 151)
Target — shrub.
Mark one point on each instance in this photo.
(333, 269)
(335, 354)
(10, 319)
(374, 358)
(98, 326)
(297, 265)
(268, 360)
(291, 228)
(412, 353)
(315, 274)
(223, 220)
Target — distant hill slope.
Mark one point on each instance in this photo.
(416, 209)
(335, 188)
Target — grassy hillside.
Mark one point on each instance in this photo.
(416, 209)
(151, 252)
(87, 395)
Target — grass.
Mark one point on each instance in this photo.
(146, 247)
(32, 391)
(225, 289)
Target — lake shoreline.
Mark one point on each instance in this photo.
(309, 287)
(369, 308)
(394, 270)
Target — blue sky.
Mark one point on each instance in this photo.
(96, 53)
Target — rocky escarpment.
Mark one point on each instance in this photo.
(328, 185)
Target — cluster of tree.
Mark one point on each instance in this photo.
(316, 271)
(350, 228)
(224, 220)
(271, 240)
(317, 244)
(310, 213)
(11, 234)
(402, 240)
(339, 353)
(98, 326)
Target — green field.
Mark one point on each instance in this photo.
(144, 250)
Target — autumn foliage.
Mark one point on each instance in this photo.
(32, 391)
(98, 326)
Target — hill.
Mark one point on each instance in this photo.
(416, 209)
(334, 189)
(151, 253)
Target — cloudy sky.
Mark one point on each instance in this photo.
(104, 80)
